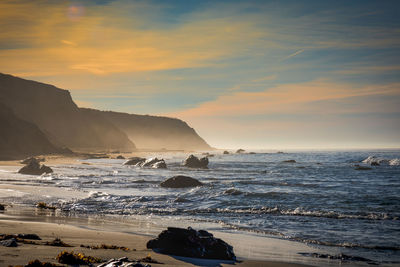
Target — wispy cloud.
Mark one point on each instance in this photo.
(293, 54)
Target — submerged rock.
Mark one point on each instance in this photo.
(134, 161)
(194, 162)
(191, 243)
(289, 161)
(362, 168)
(180, 181)
(34, 168)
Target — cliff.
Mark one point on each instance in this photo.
(154, 132)
(58, 117)
(19, 138)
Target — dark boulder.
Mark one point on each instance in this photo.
(225, 152)
(180, 181)
(2, 207)
(134, 161)
(34, 168)
(191, 243)
(240, 151)
(374, 163)
(120, 157)
(194, 162)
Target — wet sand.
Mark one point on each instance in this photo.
(76, 236)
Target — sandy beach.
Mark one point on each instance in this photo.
(75, 236)
(79, 231)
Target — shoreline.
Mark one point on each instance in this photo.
(92, 232)
(251, 247)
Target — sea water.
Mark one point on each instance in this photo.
(313, 197)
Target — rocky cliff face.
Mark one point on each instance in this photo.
(19, 138)
(64, 124)
(54, 112)
(153, 132)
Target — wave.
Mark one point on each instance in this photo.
(373, 160)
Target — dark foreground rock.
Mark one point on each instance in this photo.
(34, 168)
(195, 162)
(180, 181)
(191, 243)
(123, 262)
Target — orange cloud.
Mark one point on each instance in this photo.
(60, 39)
(284, 99)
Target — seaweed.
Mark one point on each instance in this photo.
(149, 259)
(72, 258)
(57, 243)
(43, 205)
(104, 246)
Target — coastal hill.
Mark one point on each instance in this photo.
(19, 138)
(64, 124)
(154, 132)
(55, 113)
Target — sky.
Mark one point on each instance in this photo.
(251, 74)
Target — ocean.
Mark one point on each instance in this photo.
(314, 197)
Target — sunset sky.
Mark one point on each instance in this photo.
(252, 74)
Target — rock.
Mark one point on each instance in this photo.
(225, 152)
(240, 151)
(194, 162)
(120, 157)
(153, 163)
(150, 162)
(252, 153)
(279, 152)
(375, 164)
(180, 181)
(34, 168)
(289, 161)
(160, 165)
(28, 160)
(29, 236)
(362, 168)
(134, 161)
(12, 242)
(2, 207)
(123, 262)
(191, 243)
